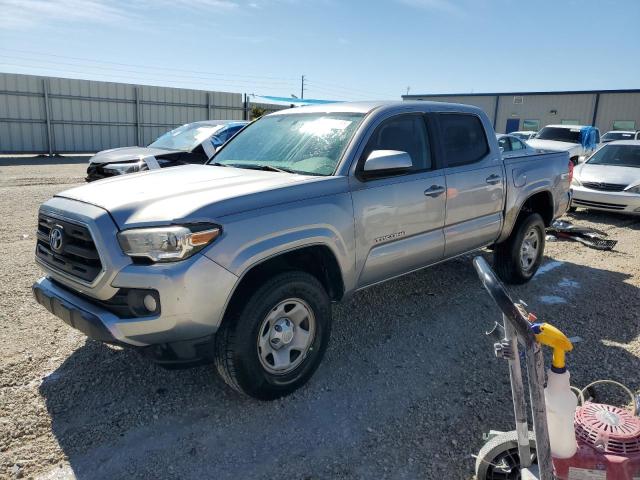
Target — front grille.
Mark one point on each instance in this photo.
(604, 187)
(611, 206)
(76, 254)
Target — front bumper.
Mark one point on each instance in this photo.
(74, 311)
(193, 296)
(622, 202)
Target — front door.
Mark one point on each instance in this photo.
(399, 218)
(475, 184)
(513, 125)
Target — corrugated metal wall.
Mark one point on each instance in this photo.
(61, 115)
(541, 108)
(552, 108)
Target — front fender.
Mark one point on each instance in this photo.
(250, 238)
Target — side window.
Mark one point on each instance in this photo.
(516, 144)
(504, 144)
(406, 133)
(463, 137)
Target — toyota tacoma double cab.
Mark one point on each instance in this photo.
(239, 260)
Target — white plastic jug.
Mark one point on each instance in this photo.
(561, 408)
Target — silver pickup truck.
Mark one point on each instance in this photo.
(238, 261)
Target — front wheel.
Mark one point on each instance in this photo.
(499, 458)
(517, 259)
(273, 344)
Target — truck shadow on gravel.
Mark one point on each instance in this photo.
(407, 388)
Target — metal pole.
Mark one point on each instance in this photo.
(302, 88)
(245, 110)
(517, 393)
(595, 110)
(495, 112)
(47, 112)
(138, 132)
(535, 370)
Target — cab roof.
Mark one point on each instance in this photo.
(367, 107)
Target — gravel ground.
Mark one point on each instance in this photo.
(407, 388)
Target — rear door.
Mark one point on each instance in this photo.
(399, 217)
(475, 183)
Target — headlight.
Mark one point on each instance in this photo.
(167, 244)
(575, 182)
(122, 168)
(634, 189)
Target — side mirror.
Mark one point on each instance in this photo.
(386, 161)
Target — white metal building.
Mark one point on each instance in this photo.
(605, 109)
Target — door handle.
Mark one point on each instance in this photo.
(493, 179)
(434, 190)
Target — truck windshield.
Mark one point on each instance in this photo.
(305, 143)
(569, 135)
(185, 138)
(617, 155)
(611, 136)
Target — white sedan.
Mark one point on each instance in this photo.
(610, 179)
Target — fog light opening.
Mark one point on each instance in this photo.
(150, 303)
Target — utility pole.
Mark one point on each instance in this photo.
(408, 88)
(302, 87)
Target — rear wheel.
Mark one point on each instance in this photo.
(499, 459)
(273, 344)
(517, 259)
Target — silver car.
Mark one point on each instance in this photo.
(610, 179)
(512, 146)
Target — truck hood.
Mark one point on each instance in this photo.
(197, 193)
(126, 154)
(607, 174)
(553, 145)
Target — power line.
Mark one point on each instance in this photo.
(120, 78)
(275, 83)
(146, 66)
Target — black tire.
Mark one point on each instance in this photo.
(236, 351)
(498, 459)
(507, 254)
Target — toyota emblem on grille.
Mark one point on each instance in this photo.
(55, 239)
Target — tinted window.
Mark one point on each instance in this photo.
(463, 137)
(569, 135)
(503, 142)
(407, 133)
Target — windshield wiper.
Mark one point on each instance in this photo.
(266, 168)
(218, 164)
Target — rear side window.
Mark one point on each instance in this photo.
(516, 144)
(463, 137)
(503, 142)
(407, 133)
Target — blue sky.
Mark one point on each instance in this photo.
(349, 50)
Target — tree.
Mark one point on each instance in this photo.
(257, 112)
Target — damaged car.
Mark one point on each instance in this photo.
(190, 143)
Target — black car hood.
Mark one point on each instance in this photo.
(127, 154)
